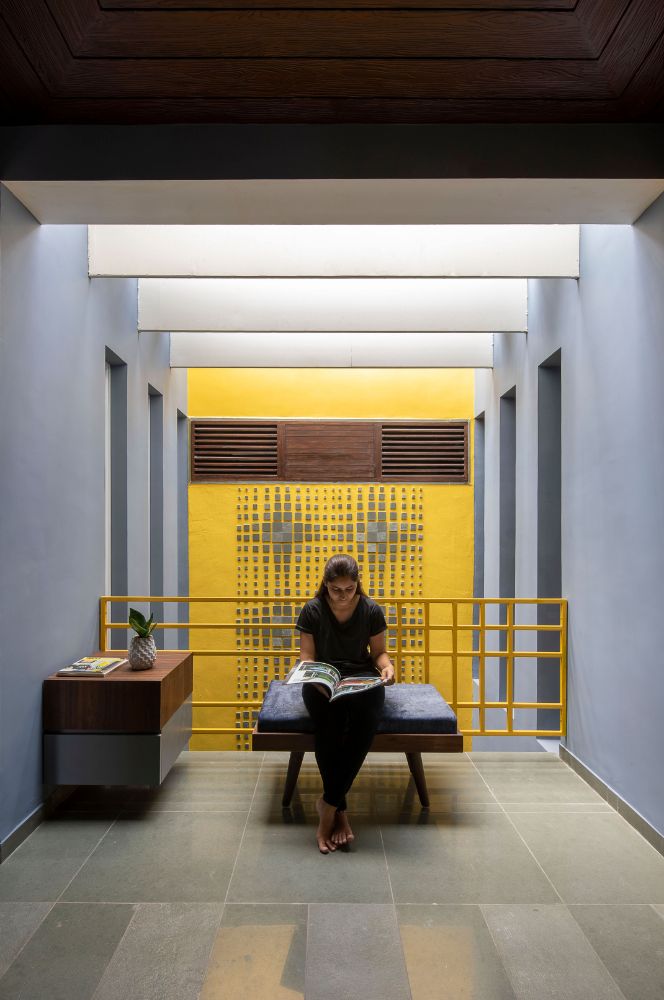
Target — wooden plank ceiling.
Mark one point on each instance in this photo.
(331, 61)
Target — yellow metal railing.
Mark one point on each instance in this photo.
(468, 640)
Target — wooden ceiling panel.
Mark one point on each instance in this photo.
(326, 78)
(36, 35)
(331, 61)
(629, 46)
(598, 19)
(170, 5)
(305, 110)
(19, 82)
(644, 94)
(334, 34)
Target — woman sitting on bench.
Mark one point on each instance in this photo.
(344, 627)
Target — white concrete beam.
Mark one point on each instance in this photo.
(378, 201)
(333, 251)
(335, 304)
(331, 350)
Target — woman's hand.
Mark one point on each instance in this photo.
(382, 662)
(387, 673)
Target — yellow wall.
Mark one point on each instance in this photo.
(228, 558)
(347, 393)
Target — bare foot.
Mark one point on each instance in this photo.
(342, 833)
(326, 815)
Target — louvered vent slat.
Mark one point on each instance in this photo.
(425, 452)
(223, 450)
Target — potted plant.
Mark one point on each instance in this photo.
(142, 650)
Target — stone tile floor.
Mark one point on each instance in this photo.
(519, 882)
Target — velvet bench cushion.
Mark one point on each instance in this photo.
(409, 708)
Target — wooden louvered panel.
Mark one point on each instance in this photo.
(233, 450)
(427, 452)
(330, 451)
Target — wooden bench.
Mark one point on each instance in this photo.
(416, 719)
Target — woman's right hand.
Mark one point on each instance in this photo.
(387, 673)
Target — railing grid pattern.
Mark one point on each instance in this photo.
(470, 649)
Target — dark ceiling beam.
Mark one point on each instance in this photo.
(116, 152)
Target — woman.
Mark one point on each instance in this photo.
(342, 626)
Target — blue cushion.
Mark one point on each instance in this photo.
(409, 708)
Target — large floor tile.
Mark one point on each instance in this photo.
(67, 955)
(163, 955)
(630, 941)
(451, 946)
(162, 857)
(354, 951)
(387, 791)
(211, 787)
(514, 757)
(260, 952)
(495, 718)
(44, 864)
(513, 782)
(97, 798)
(556, 807)
(221, 756)
(280, 863)
(465, 858)
(546, 955)
(594, 858)
(18, 921)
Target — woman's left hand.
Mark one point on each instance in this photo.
(387, 673)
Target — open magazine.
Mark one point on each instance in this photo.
(329, 680)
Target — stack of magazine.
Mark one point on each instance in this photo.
(91, 666)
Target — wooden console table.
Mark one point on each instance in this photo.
(123, 729)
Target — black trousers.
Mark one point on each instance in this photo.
(344, 730)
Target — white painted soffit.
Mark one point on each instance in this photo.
(331, 350)
(334, 304)
(450, 201)
(333, 251)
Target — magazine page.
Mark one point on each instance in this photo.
(97, 662)
(354, 685)
(306, 671)
(92, 666)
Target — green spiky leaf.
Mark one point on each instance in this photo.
(141, 626)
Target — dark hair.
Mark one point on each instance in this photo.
(341, 565)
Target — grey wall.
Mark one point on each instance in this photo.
(55, 327)
(609, 326)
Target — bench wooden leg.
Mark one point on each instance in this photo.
(417, 771)
(294, 765)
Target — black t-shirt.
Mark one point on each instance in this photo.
(344, 645)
